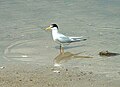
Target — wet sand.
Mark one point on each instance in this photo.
(28, 53)
(35, 75)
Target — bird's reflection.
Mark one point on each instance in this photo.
(65, 56)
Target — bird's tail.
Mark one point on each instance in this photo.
(77, 39)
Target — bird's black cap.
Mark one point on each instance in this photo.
(54, 25)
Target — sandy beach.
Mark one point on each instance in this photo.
(28, 53)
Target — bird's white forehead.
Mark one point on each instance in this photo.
(51, 26)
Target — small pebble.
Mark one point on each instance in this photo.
(56, 64)
(89, 79)
(56, 71)
(31, 80)
(2, 67)
(48, 84)
(66, 69)
(20, 80)
(24, 56)
(52, 69)
(70, 79)
(79, 78)
(90, 24)
(90, 72)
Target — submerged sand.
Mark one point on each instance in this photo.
(28, 54)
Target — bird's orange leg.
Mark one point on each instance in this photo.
(61, 49)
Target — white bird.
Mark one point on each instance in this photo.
(60, 38)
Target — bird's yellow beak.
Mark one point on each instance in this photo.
(48, 28)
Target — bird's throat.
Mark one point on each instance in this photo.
(54, 34)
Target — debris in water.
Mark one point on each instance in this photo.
(107, 53)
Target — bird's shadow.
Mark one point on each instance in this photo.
(69, 47)
(63, 57)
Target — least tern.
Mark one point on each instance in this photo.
(62, 39)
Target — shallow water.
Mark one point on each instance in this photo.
(22, 39)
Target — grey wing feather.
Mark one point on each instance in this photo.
(64, 39)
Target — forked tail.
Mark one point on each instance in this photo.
(77, 39)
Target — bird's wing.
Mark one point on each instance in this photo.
(63, 39)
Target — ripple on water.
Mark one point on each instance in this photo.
(25, 51)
